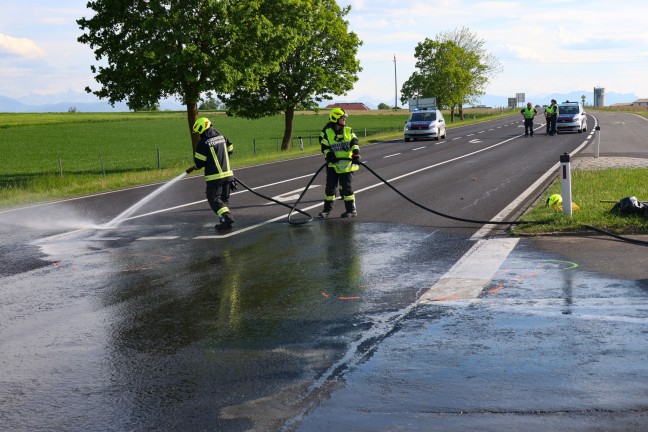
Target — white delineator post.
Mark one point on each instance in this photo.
(565, 170)
(597, 140)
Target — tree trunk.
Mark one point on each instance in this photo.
(192, 116)
(461, 113)
(288, 128)
(452, 112)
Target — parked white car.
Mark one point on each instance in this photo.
(571, 117)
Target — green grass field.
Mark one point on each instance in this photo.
(79, 143)
(590, 191)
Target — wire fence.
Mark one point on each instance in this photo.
(139, 158)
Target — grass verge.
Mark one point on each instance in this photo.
(590, 190)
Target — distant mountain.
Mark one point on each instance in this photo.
(84, 102)
(11, 105)
(611, 98)
(79, 101)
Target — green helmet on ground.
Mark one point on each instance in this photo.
(554, 200)
(201, 125)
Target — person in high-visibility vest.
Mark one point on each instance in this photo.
(551, 114)
(213, 153)
(340, 147)
(529, 113)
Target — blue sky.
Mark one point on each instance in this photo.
(545, 46)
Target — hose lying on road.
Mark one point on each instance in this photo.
(294, 208)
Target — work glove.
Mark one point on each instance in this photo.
(355, 159)
(233, 185)
(330, 157)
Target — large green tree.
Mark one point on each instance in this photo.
(487, 66)
(152, 49)
(320, 62)
(454, 68)
(441, 73)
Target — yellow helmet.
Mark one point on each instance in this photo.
(201, 125)
(554, 200)
(336, 113)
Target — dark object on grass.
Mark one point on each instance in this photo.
(629, 206)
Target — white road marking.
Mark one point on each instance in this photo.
(159, 238)
(391, 155)
(472, 273)
(454, 139)
(290, 196)
(419, 148)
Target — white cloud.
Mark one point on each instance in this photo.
(21, 47)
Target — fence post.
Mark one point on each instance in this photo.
(254, 145)
(277, 141)
(103, 170)
(158, 157)
(301, 144)
(60, 166)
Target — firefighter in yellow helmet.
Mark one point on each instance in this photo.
(213, 153)
(340, 147)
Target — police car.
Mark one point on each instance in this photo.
(571, 117)
(425, 123)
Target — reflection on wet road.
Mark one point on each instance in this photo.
(146, 333)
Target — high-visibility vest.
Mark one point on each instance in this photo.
(342, 144)
(529, 113)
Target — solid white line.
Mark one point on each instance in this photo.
(504, 214)
(472, 273)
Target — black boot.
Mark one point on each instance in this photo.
(328, 206)
(350, 210)
(226, 221)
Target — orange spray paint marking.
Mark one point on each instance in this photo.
(349, 298)
(525, 276)
(325, 295)
(494, 290)
(446, 298)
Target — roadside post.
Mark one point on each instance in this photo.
(301, 144)
(597, 140)
(565, 168)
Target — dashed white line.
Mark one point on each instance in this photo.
(392, 155)
(419, 148)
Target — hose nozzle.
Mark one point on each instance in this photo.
(190, 169)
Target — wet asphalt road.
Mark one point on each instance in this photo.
(161, 324)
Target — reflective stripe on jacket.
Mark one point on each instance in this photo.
(343, 145)
(212, 153)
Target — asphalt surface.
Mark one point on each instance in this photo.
(556, 340)
(396, 320)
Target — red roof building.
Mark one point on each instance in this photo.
(349, 106)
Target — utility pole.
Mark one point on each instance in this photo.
(395, 85)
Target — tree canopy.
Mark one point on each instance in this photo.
(154, 49)
(454, 68)
(320, 62)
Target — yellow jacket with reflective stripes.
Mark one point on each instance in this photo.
(344, 144)
(212, 153)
